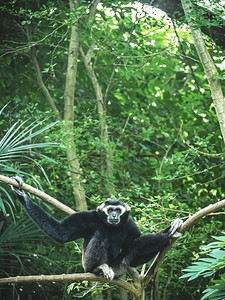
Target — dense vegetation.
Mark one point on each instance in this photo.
(142, 126)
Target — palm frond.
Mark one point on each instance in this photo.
(16, 146)
(13, 143)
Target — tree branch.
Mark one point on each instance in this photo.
(39, 194)
(186, 225)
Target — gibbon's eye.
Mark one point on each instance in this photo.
(110, 210)
(118, 210)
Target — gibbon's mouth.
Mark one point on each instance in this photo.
(114, 221)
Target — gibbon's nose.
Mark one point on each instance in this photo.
(114, 215)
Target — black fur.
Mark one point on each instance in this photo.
(112, 240)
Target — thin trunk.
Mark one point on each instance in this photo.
(209, 68)
(155, 288)
(123, 292)
(42, 85)
(100, 106)
(102, 116)
(40, 82)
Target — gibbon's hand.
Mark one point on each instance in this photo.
(17, 190)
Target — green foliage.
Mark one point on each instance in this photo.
(208, 266)
(166, 146)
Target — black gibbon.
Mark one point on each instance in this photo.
(112, 240)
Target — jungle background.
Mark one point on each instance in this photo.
(106, 99)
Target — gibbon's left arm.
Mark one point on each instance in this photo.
(69, 229)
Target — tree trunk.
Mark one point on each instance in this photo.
(69, 115)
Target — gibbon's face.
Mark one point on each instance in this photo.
(113, 212)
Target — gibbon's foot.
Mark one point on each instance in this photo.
(107, 271)
(175, 225)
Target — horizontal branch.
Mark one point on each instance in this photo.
(69, 277)
(38, 193)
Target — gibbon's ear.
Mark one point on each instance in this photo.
(100, 207)
(128, 208)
